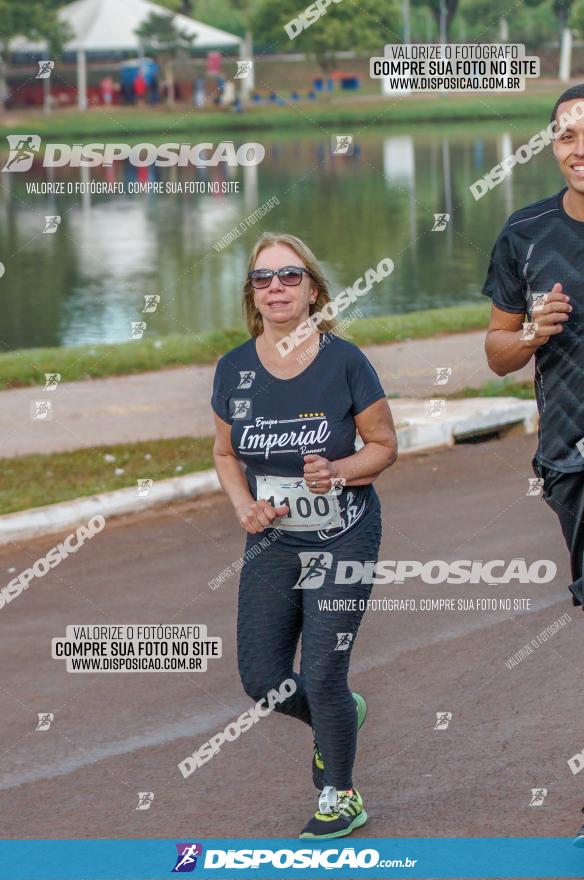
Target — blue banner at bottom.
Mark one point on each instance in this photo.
(225, 859)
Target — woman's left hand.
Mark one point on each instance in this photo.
(320, 474)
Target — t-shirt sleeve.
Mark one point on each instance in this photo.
(364, 383)
(505, 283)
(219, 398)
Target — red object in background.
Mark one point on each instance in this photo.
(140, 86)
(213, 63)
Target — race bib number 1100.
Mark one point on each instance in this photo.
(307, 511)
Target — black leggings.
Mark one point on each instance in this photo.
(272, 616)
(564, 493)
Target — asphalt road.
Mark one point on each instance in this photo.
(114, 735)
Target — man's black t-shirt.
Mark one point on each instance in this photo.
(276, 422)
(539, 246)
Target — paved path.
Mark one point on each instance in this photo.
(114, 735)
(175, 402)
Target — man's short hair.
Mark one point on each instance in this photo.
(570, 94)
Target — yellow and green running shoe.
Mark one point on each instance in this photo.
(317, 761)
(339, 813)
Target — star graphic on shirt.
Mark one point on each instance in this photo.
(310, 415)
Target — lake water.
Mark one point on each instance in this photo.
(87, 281)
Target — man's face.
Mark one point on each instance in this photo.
(569, 147)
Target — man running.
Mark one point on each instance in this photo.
(535, 283)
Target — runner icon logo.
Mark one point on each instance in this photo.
(22, 151)
(344, 641)
(443, 374)
(145, 799)
(186, 861)
(538, 796)
(535, 486)
(52, 222)
(314, 568)
(45, 720)
(440, 222)
(342, 145)
(239, 409)
(443, 719)
(246, 377)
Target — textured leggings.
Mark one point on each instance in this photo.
(272, 616)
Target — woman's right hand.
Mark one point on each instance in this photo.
(255, 516)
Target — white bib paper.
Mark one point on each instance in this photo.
(307, 512)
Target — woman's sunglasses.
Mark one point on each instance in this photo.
(290, 276)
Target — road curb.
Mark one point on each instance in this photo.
(417, 431)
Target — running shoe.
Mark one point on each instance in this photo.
(339, 813)
(579, 839)
(317, 761)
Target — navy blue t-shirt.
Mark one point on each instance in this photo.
(539, 246)
(276, 422)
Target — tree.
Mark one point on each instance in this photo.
(35, 20)
(160, 37)
(358, 26)
(443, 12)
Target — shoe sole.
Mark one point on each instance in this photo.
(357, 822)
(579, 841)
(360, 703)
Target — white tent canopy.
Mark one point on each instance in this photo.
(110, 25)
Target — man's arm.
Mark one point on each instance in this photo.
(506, 350)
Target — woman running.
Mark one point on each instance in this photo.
(306, 500)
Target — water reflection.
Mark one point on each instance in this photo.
(87, 282)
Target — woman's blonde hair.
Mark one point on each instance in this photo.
(254, 320)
